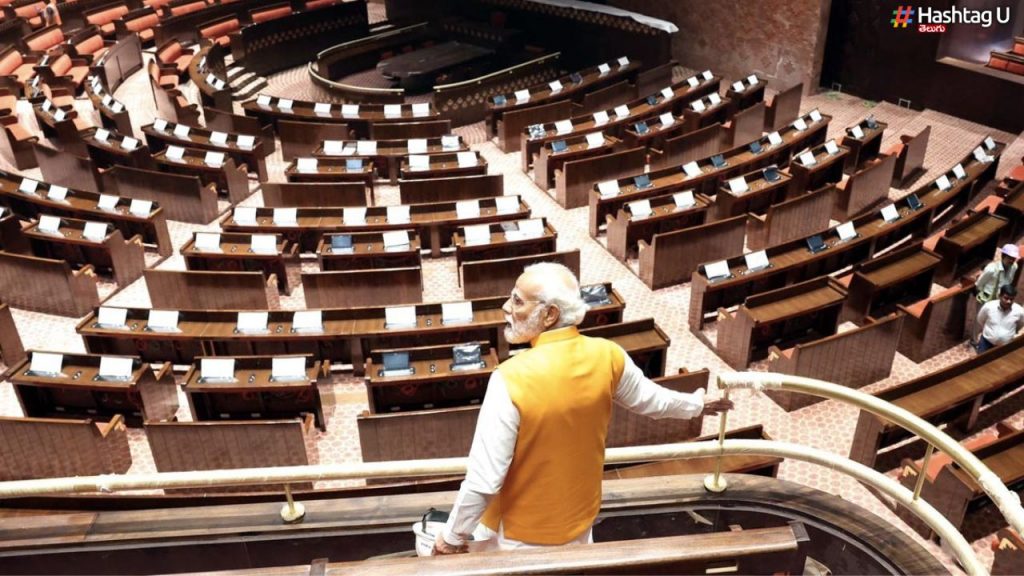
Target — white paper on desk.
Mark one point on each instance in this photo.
(756, 260)
(667, 119)
(181, 131)
(211, 79)
(252, 321)
(603, 69)
(47, 104)
(417, 146)
(718, 269)
(846, 231)
(738, 185)
(395, 239)
(308, 321)
(684, 199)
(396, 316)
(160, 124)
(285, 216)
(49, 224)
(95, 231)
(563, 126)
(246, 141)
(419, 162)
(640, 208)
(800, 124)
(285, 103)
(107, 202)
(322, 109)
(989, 143)
(667, 93)
(398, 214)
(175, 152)
(608, 188)
(353, 215)
(350, 109)
(112, 317)
(218, 137)
(532, 228)
(815, 115)
(129, 143)
(752, 79)
(890, 213)
(116, 366)
(477, 235)
(467, 209)
(291, 368)
(506, 204)
(692, 169)
(831, 147)
(139, 207)
(421, 109)
(980, 156)
(217, 368)
(366, 147)
(392, 110)
(808, 159)
(263, 100)
(707, 75)
(774, 139)
(28, 186)
(692, 81)
(215, 159)
(58, 193)
(306, 164)
(522, 96)
(595, 139)
(737, 87)
(46, 363)
(117, 107)
(263, 243)
(624, 61)
(698, 105)
(714, 98)
(959, 172)
(107, 99)
(163, 320)
(101, 134)
(450, 142)
(857, 132)
(208, 241)
(334, 147)
(456, 312)
(555, 86)
(943, 183)
(600, 118)
(245, 215)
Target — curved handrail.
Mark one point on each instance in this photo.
(315, 74)
(377, 36)
(495, 74)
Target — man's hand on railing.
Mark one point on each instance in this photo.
(442, 548)
(717, 406)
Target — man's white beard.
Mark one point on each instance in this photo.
(519, 332)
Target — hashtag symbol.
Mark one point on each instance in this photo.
(902, 16)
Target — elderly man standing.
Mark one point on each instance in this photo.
(535, 466)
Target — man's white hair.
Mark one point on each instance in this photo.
(560, 288)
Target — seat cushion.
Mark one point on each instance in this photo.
(61, 65)
(169, 53)
(10, 62)
(273, 14)
(18, 132)
(1017, 173)
(146, 35)
(24, 72)
(90, 45)
(78, 73)
(145, 23)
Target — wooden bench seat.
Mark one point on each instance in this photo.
(86, 448)
(141, 21)
(219, 31)
(46, 285)
(178, 290)
(45, 39)
(105, 16)
(113, 254)
(936, 323)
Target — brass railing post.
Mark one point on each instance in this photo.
(715, 482)
(293, 512)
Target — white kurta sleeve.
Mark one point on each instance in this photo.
(639, 394)
(494, 443)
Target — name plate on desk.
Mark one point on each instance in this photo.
(245, 215)
(989, 143)
(667, 93)
(322, 109)
(354, 215)
(107, 202)
(600, 118)
(608, 189)
(692, 81)
(218, 137)
(263, 243)
(624, 61)
(306, 165)
(117, 107)
(392, 110)
(58, 193)
(959, 172)
(737, 87)
(563, 126)
(350, 109)
(207, 241)
(714, 99)
(285, 103)
(943, 183)
(640, 208)
(846, 231)
(595, 139)
(621, 111)
(532, 228)
(466, 159)
(28, 186)
(756, 261)
(774, 139)
(478, 235)
(421, 109)
(217, 370)
(467, 209)
(215, 159)
(684, 199)
(752, 80)
(129, 143)
(808, 159)
(395, 239)
(398, 214)
(707, 75)
(698, 105)
(400, 317)
(252, 322)
(162, 321)
(738, 185)
(692, 170)
(290, 369)
(246, 141)
(456, 313)
(522, 96)
(139, 207)
(890, 213)
(307, 321)
(286, 216)
(981, 156)
(506, 204)
(336, 147)
(419, 162)
(49, 224)
(717, 270)
(95, 231)
(366, 147)
(115, 368)
(450, 142)
(417, 146)
(108, 317)
(59, 115)
(175, 153)
(46, 364)
(181, 131)
(857, 132)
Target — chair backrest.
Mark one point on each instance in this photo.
(54, 448)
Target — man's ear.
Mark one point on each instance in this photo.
(552, 316)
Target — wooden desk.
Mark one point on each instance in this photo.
(1012, 206)
(123, 259)
(902, 276)
(444, 165)
(451, 189)
(359, 121)
(759, 196)
(112, 151)
(381, 286)
(231, 179)
(332, 170)
(626, 231)
(501, 246)
(254, 394)
(801, 216)
(864, 148)
(497, 277)
(389, 153)
(79, 393)
(176, 289)
(548, 162)
(432, 384)
(656, 133)
(827, 169)
(748, 94)
(420, 68)
(797, 313)
(643, 340)
(253, 157)
(865, 189)
(236, 254)
(368, 253)
(968, 243)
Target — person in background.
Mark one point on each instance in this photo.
(996, 274)
(1000, 320)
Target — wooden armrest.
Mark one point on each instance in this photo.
(87, 270)
(8, 120)
(774, 353)
(116, 423)
(759, 217)
(642, 245)
(165, 368)
(137, 239)
(909, 468)
(272, 281)
(308, 423)
(294, 251)
(724, 314)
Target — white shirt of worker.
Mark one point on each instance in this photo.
(494, 444)
(1000, 326)
(992, 278)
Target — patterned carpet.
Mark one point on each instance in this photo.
(827, 425)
